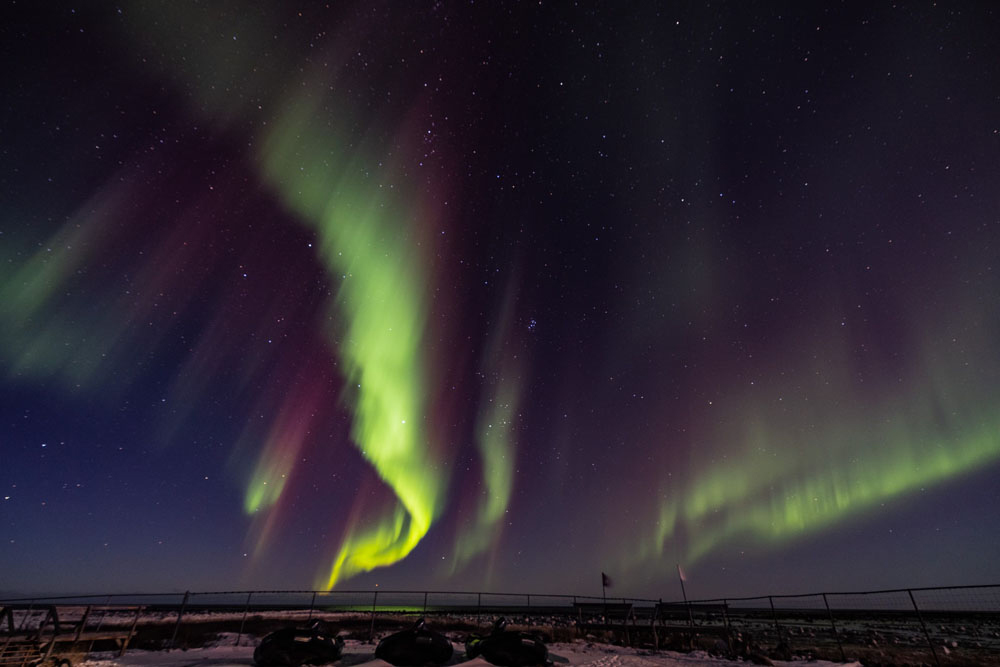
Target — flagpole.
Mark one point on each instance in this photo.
(604, 594)
(680, 578)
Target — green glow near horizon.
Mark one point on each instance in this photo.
(377, 322)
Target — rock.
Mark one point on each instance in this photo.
(759, 659)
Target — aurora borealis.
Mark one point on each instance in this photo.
(499, 296)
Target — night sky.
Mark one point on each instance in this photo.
(498, 296)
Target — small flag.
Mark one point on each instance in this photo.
(680, 573)
(605, 580)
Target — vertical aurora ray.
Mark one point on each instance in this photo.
(367, 242)
(282, 451)
(33, 326)
(49, 327)
(496, 441)
(496, 444)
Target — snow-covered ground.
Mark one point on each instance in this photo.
(360, 654)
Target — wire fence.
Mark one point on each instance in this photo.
(948, 625)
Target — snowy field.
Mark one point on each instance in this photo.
(361, 654)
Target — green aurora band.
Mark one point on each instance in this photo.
(366, 230)
(378, 323)
(778, 473)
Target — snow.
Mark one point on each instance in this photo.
(361, 654)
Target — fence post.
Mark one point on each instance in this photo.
(53, 613)
(774, 616)
(131, 631)
(24, 619)
(425, 602)
(180, 615)
(479, 606)
(83, 623)
(628, 637)
(9, 614)
(725, 619)
(100, 622)
(652, 624)
(371, 631)
(924, 626)
(833, 625)
(312, 605)
(529, 599)
(246, 608)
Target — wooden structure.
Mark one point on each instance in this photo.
(30, 634)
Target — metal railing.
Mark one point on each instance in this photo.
(953, 624)
(926, 624)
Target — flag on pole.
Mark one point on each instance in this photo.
(681, 578)
(605, 580)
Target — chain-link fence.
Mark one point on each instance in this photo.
(956, 625)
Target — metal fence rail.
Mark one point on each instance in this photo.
(942, 624)
(939, 625)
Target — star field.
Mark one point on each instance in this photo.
(499, 296)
